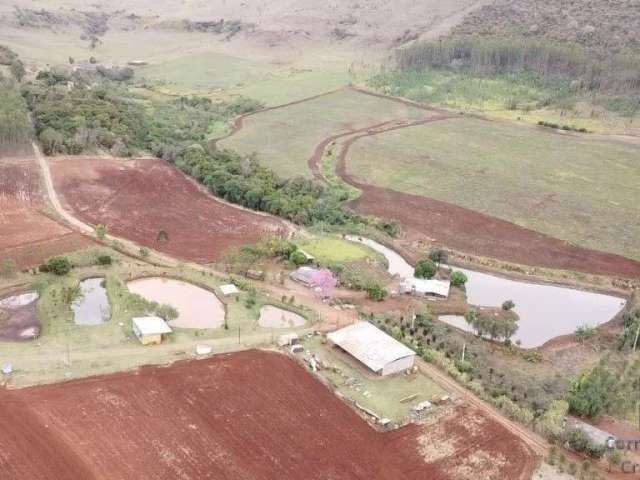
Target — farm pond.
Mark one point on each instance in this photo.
(92, 306)
(545, 311)
(18, 317)
(274, 317)
(197, 308)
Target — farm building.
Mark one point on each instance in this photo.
(380, 352)
(229, 290)
(149, 330)
(321, 280)
(421, 287)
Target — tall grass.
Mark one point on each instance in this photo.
(618, 74)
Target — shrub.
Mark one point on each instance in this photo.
(585, 332)
(579, 441)
(425, 268)
(57, 266)
(101, 231)
(104, 260)
(166, 312)
(298, 258)
(458, 278)
(375, 292)
(439, 255)
(590, 392)
(508, 305)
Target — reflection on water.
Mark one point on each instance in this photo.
(545, 311)
(92, 306)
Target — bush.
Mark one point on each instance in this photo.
(166, 312)
(104, 260)
(298, 258)
(508, 305)
(585, 332)
(590, 393)
(375, 292)
(579, 441)
(458, 278)
(425, 268)
(57, 266)
(439, 256)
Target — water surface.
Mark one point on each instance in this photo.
(92, 306)
(274, 317)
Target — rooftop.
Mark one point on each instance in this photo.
(370, 345)
(436, 287)
(151, 325)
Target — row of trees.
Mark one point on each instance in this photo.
(544, 58)
(497, 327)
(15, 129)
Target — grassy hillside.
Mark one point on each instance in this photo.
(576, 188)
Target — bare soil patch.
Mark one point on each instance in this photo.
(139, 199)
(476, 233)
(250, 415)
(28, 236)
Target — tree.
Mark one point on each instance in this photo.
(8, 268)
(375, 291)
(104, 260)
(508, 305)
(52, 141)
(57, 266)
(458, 278)
(163, 237)
(590, 392)
(425, 268)
(439, 256)
(17, 70)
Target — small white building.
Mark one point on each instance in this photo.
(229, 290)
(423, 287)
(380, 352)
(149, 330)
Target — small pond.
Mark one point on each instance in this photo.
(197, 307)
(274, 317)
(92, 306)
(18, 317)
(545, 311)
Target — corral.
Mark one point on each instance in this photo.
(28, 236)
(224, 418)
(284, 137)
(153, 204)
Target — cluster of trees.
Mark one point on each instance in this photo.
(540, 57)
(244, 181)
(57, 266)
(15, 129)
(497, 327)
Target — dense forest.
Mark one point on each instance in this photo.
(15, 130)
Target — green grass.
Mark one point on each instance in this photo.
(577, 188)
(380, 394)
(329, 249)
(285, 139)
(65, 350)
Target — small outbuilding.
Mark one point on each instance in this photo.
(380, 352)
(425, 288)
(150, 330)
(229, 289)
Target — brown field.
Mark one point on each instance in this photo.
(250, 415)
(28, 236)
(136, 199)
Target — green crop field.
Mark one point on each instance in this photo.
(577, 188)
(285, 139)
(329, 249)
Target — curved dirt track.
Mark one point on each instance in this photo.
(474, 232)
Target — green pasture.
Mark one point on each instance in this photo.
(285, 138)
(330, 249)
(577, 188)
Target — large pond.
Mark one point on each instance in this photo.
(197, 307)
(546, 311)
(274, 317)
(18, 317)
(92, 306)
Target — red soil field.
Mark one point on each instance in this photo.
(243, 416)
(136, 199)
(475, 233)
(27, 235)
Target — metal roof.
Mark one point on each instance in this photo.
(370, 345)
(436, 287)
(151, 325)
(229, 289)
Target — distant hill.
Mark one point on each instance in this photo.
(604, 26)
